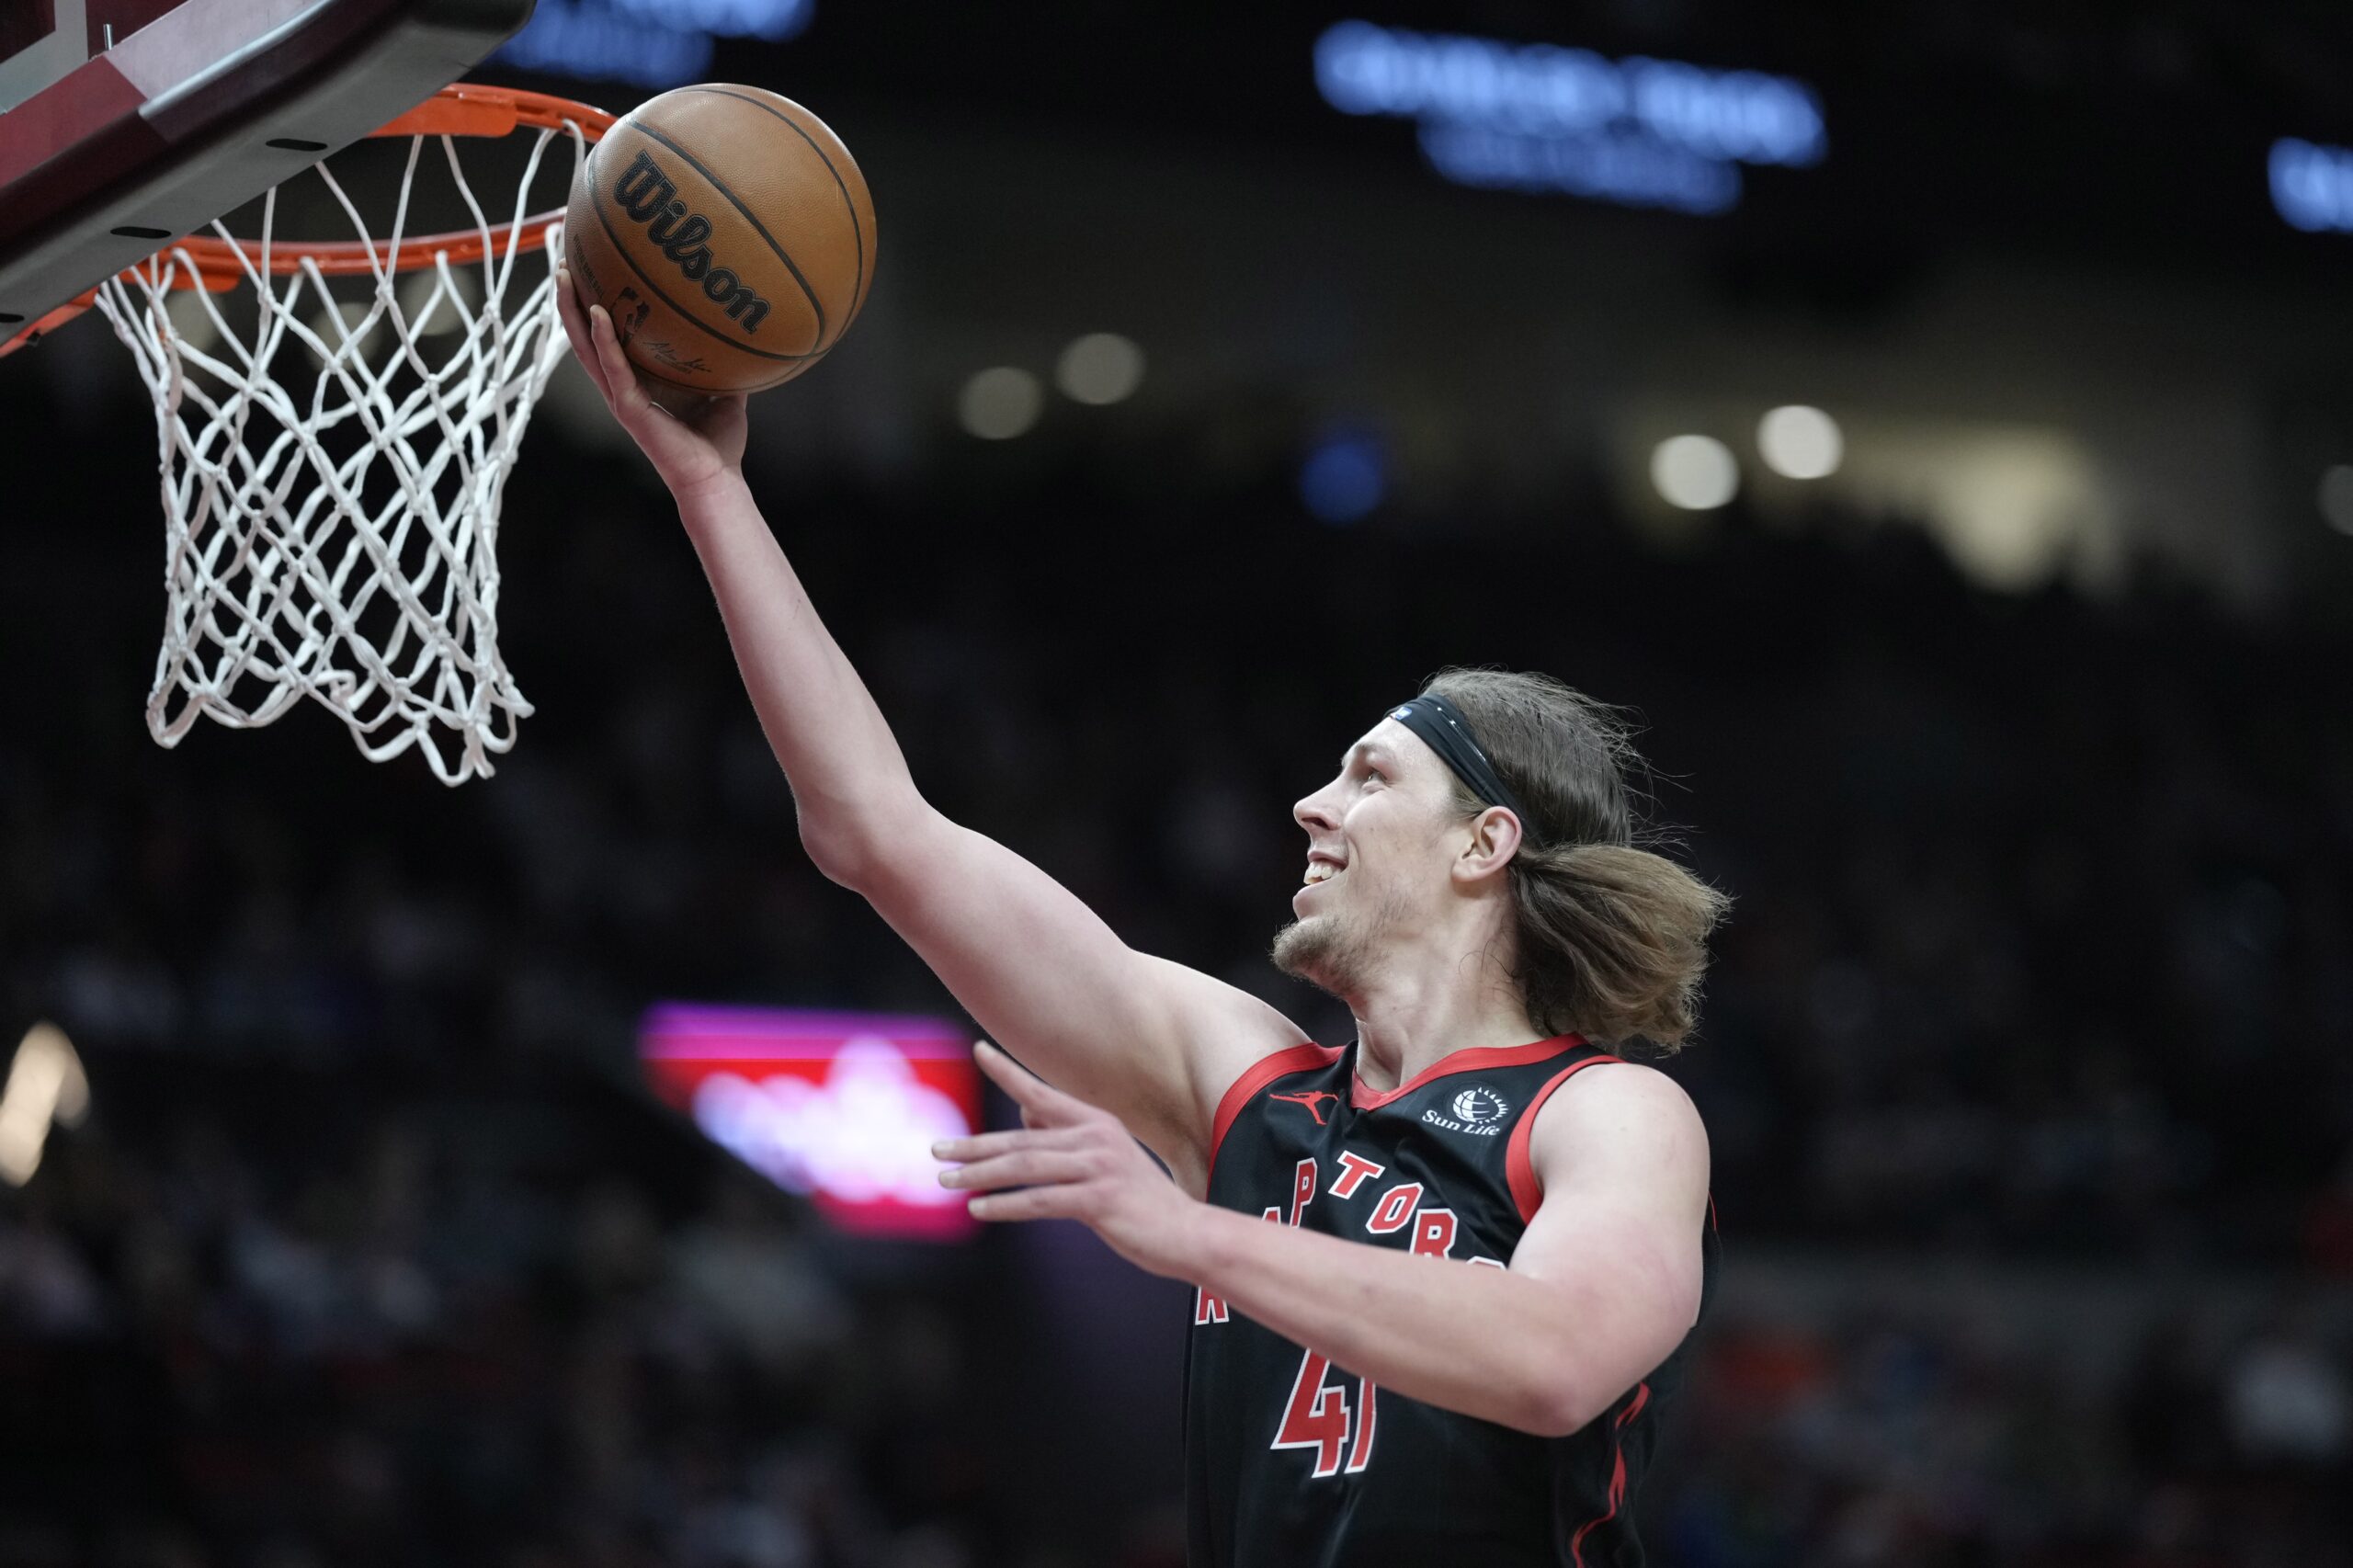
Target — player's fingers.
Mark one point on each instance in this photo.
(575, 329)
(1049, 1105)
(1030, 1203)
(567, 310)
(981, 1146)
(622, 390)
(611, 360)
(1023, 1167)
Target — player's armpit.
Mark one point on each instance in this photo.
(1151, 1041)
(1621, 1159)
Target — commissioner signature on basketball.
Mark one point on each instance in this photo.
(651, 197)
(670, 356)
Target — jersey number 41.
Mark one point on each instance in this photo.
(1318, 1417)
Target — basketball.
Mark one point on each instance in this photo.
(728, 232)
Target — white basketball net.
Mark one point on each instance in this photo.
(334, 534)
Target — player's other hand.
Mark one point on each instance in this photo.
(1068, 1162)
(690, 447)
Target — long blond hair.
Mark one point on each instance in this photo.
(1611, 940)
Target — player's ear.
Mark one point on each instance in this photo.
(1495, 839)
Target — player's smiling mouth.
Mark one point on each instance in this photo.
(1322, 868)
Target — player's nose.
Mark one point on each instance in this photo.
(1314, 811)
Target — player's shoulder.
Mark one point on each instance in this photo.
(1617, 1105)
(1617, 1081)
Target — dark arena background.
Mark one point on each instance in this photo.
(1934, 418)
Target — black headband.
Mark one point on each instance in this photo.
(1448, 733)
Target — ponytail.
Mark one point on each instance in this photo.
(1611, 941)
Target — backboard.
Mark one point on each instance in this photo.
(125, 124)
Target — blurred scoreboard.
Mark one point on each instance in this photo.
(840, 1108)
(2128, 142)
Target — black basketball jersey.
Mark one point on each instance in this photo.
(1291, 1462)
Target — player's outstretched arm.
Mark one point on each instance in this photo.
(1151, 1041)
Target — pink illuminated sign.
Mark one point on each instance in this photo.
(841, 1106)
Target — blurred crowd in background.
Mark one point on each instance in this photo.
(2041, 959)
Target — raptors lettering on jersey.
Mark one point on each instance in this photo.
(1291, 1461)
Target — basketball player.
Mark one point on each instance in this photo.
(1442, 1273)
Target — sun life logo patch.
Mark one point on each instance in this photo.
(1479, 1104)
(1478, 1110)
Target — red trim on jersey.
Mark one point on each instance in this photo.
(1256, 1076)
(1519, 1170)
(1617, 1474)
(1473, 1059)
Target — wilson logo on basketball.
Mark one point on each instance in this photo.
(651, 197)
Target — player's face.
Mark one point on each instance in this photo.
(1378, 845)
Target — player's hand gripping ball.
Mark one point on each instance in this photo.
(727, 232)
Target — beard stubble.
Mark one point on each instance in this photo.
(1331, 952)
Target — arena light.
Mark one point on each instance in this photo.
(653, 43)
(841, 1107)
(1630, 172)
(2312, 186)
(2336, 498)
(188, 319)
(1000, 403)
(1344, 476)
(1100, 368)
(355, 326)
(1637, 131)
(435, 306)
(46, 1087)
(1698, 474)
(1799, 442)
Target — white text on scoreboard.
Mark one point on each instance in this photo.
(653, 43)
(1638, 131)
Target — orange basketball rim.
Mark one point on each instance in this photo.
(465, 109)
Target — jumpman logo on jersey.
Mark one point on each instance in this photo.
(1309, 1099)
